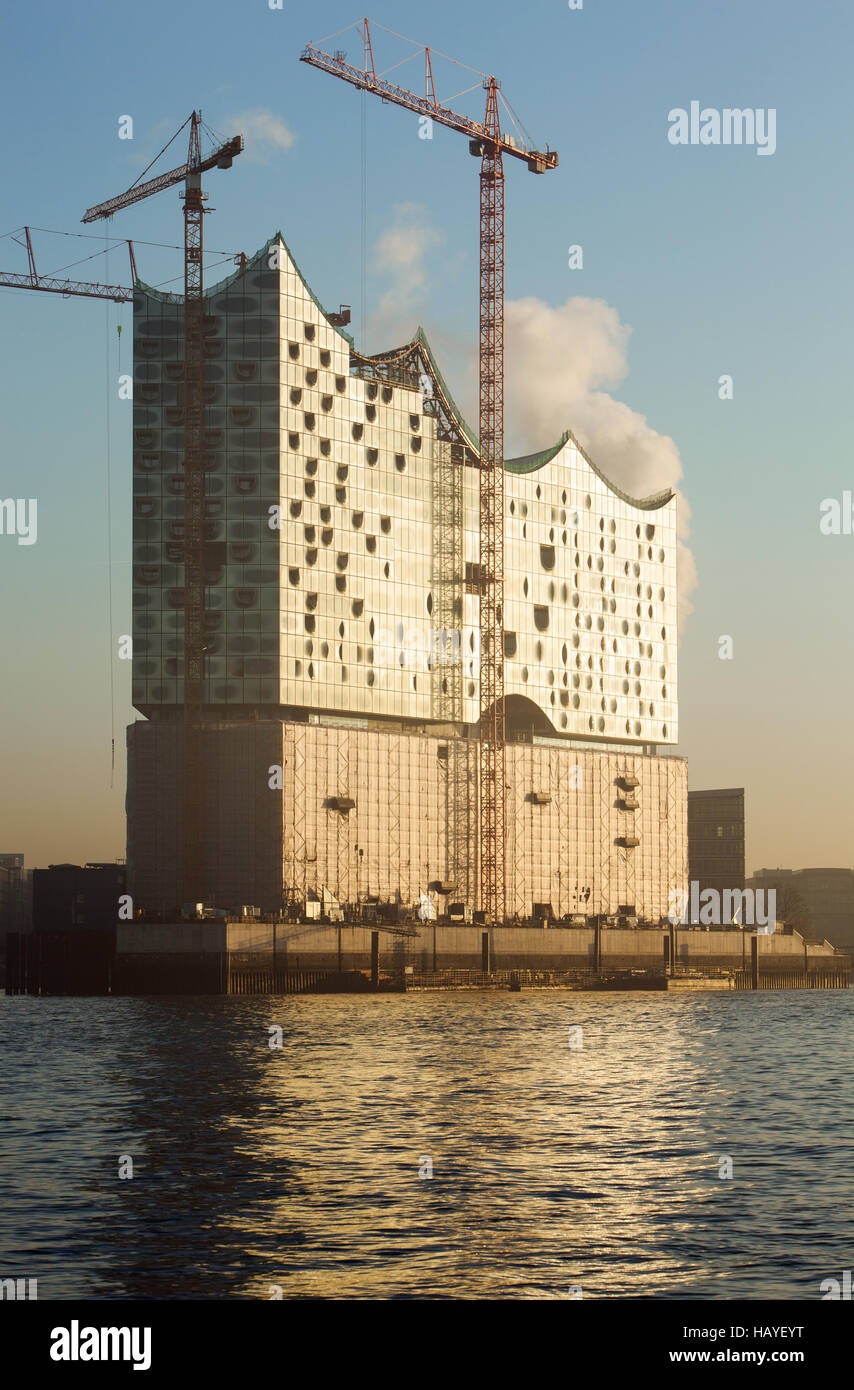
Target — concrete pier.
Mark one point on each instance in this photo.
(219, 957)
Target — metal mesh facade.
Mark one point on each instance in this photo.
(568, 824)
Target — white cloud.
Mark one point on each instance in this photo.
(399, 258)
(561, 365)
(264, 132)
(558, 362)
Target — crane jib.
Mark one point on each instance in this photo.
(221, 158)
(538, 161)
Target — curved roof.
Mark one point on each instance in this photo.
(527, 463)
(532, 461)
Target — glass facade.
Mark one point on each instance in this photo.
(341, 561)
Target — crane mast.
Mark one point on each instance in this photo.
(491, 575)
(194, 510)
(487, 142)
(190, 173)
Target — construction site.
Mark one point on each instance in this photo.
(384, 674)
(343, 646)
(422, 675)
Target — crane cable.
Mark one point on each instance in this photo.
(163, 151)
(117, 241)
(109, 503)
(364, 213)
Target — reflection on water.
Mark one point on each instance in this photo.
(553, 1167)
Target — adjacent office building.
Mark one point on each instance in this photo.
(15, 899)
(15, 894)
(86, 897)
(716, 839)
(827, 896)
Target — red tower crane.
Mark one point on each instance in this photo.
(487, 143)
(194, 479)
(85, 289)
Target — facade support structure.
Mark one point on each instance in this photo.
(194, 509)
(491, 569)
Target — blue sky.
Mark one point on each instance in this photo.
(721, 261)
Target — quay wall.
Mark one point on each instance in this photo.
(311, 946)
(222, 958)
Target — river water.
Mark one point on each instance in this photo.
(304, 1169)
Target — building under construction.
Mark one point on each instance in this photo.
(342, 633)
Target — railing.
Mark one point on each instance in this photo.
(791, 979)
(686, 972)
(278, 981)
(320, 981)
(579, 978)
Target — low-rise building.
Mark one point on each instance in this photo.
(73, 895)
(826, 907)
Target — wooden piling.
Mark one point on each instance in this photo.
(754, 961)
(375, 959)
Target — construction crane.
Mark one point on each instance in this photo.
(88, 289)
(487, 143)
(189, 173)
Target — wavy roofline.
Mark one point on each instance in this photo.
(526, 463)
(654, 502)
(530, 463)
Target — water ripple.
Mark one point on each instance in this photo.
(552, 1168)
